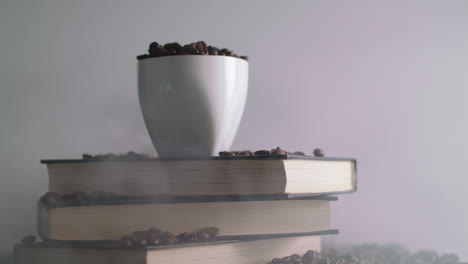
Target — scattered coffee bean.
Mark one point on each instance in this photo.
(126, 242)
(154, 233)
(245, 153)
(203, 236)
(278, 151)
(153, 241)
(28, 240)
(310, 256)
(168, 238)
(262, 152)
(139, 242)
(244, 57)
(318, 152)
(51, 198)
(211, 231)
(142, 57)
(87, 156)
(186, 237)
(227, 154)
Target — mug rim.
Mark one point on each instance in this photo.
(194, 56)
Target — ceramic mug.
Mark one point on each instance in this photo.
(192, 104)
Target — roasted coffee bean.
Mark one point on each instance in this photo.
(244, 57)
(245, 153)
(227, 154)
(263, 152)
(171, 52)
(318, 152)
(159, 52)
(211, 231)
(201, 47)
(310, 257)
(139, 242)
(275, 261)
(192, 51)
(126, 241)
(154, 45)
(153, 48)
(168, 238)
(221, 53)
(153, 241)
(173, 45)
(186, 237)
(28, 240)
(154, 232)
(51, 198)
(78, 196)
(193, 45)
(212, 50)
(203, 236)
(87, 156)
(278, 151)
(142, 57)
(225, 51)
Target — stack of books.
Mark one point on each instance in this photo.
(263, 206)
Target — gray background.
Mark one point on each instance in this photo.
(382, 81)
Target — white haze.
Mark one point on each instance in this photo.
(382, 81)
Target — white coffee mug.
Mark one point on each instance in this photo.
(192, 104)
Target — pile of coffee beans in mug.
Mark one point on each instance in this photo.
(195, 48)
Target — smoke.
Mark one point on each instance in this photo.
(382, 82)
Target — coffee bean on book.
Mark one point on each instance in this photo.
(87, 156)
(245, 153)
(226, 154)
(126, 242)
(154, 233)
(211, 231)
(28, 240)
(262, 152)
(203, 236)
(318, 152)
(278, 151)
(186, 237)
(51, 198)
(168, 238)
